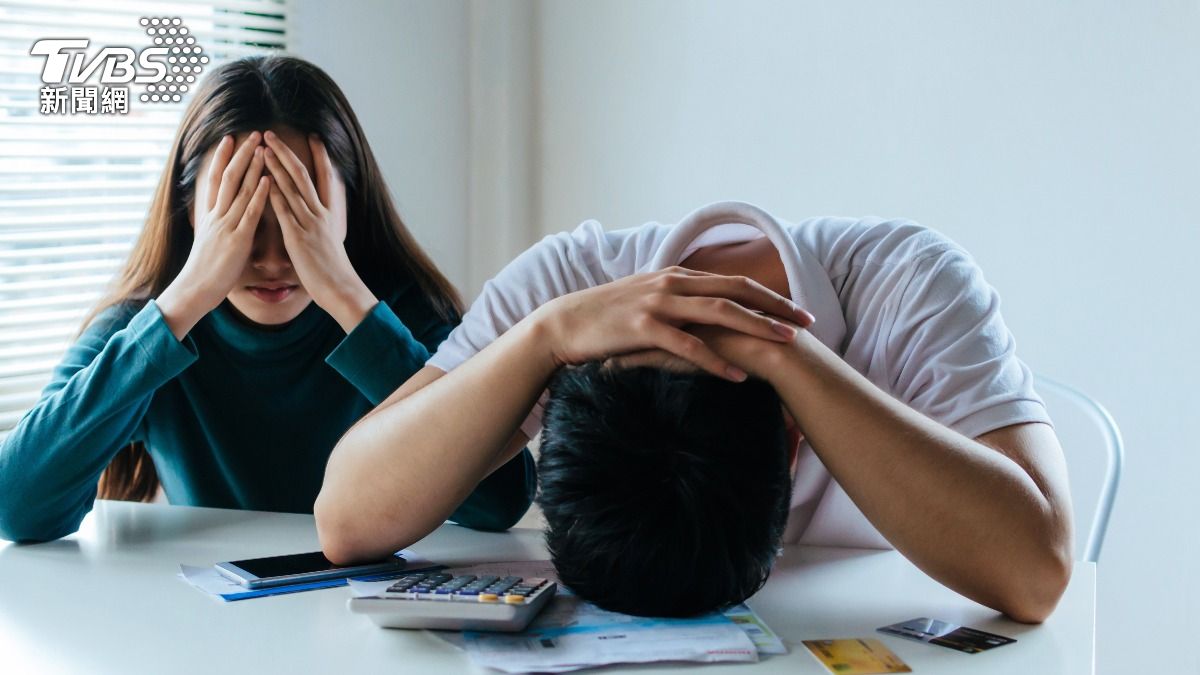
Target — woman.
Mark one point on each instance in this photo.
(272, 299)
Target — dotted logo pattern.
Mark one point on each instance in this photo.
(185, 61)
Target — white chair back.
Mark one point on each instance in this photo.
(1095, 455)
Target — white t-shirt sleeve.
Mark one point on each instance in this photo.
(949, 353)
(557, 265)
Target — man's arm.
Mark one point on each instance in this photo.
(403, 469)
(995, 515)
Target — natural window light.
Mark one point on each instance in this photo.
(74, 188)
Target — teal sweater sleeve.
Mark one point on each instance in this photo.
(381, 353)
(92, 407)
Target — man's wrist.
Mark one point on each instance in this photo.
(538, 332)
(804, 358)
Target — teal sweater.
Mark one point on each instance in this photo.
(234, 416)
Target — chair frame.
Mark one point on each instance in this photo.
(1114, 448)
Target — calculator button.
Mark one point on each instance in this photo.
(488, 597)
(514, 599)
(503, 585)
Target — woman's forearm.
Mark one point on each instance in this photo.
(965, 513)
(102, 389)
(403, 469)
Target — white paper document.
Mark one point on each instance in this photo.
(763, 637)
(572, 634)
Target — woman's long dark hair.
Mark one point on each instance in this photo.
(262, 92)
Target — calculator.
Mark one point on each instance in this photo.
(442, 601)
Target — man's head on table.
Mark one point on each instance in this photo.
(665, 490)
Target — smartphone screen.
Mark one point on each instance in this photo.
(287, 565)
(298, 567)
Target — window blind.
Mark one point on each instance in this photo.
(74, 188)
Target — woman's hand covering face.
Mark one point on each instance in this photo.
(230, 199)
(312, 215)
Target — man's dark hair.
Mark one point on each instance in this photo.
(664, 493)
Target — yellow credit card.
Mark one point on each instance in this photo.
(856, 656)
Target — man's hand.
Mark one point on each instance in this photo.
(648, 312)
(756, 356)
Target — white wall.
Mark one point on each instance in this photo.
(504, 109)
(403, 65)
(1056, 141)
(444, 90)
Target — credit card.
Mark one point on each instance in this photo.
(856, 656)
(946, 634)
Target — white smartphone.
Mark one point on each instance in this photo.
(299, 568)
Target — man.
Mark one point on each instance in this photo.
(920, 427)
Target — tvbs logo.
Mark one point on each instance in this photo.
(167, 69)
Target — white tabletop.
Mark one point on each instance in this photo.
(107, 600)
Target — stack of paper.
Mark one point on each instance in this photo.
(572, 634)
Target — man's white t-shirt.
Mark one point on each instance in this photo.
(900, 303)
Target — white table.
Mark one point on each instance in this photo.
(107, 600)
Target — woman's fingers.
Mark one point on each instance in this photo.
(728, 314)
(231, 177)
(254, 207)
(329, 184)
(743, 290)
(249, 182)
(283, 212)
(291, 164)
(216, 169)
(286, 185)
